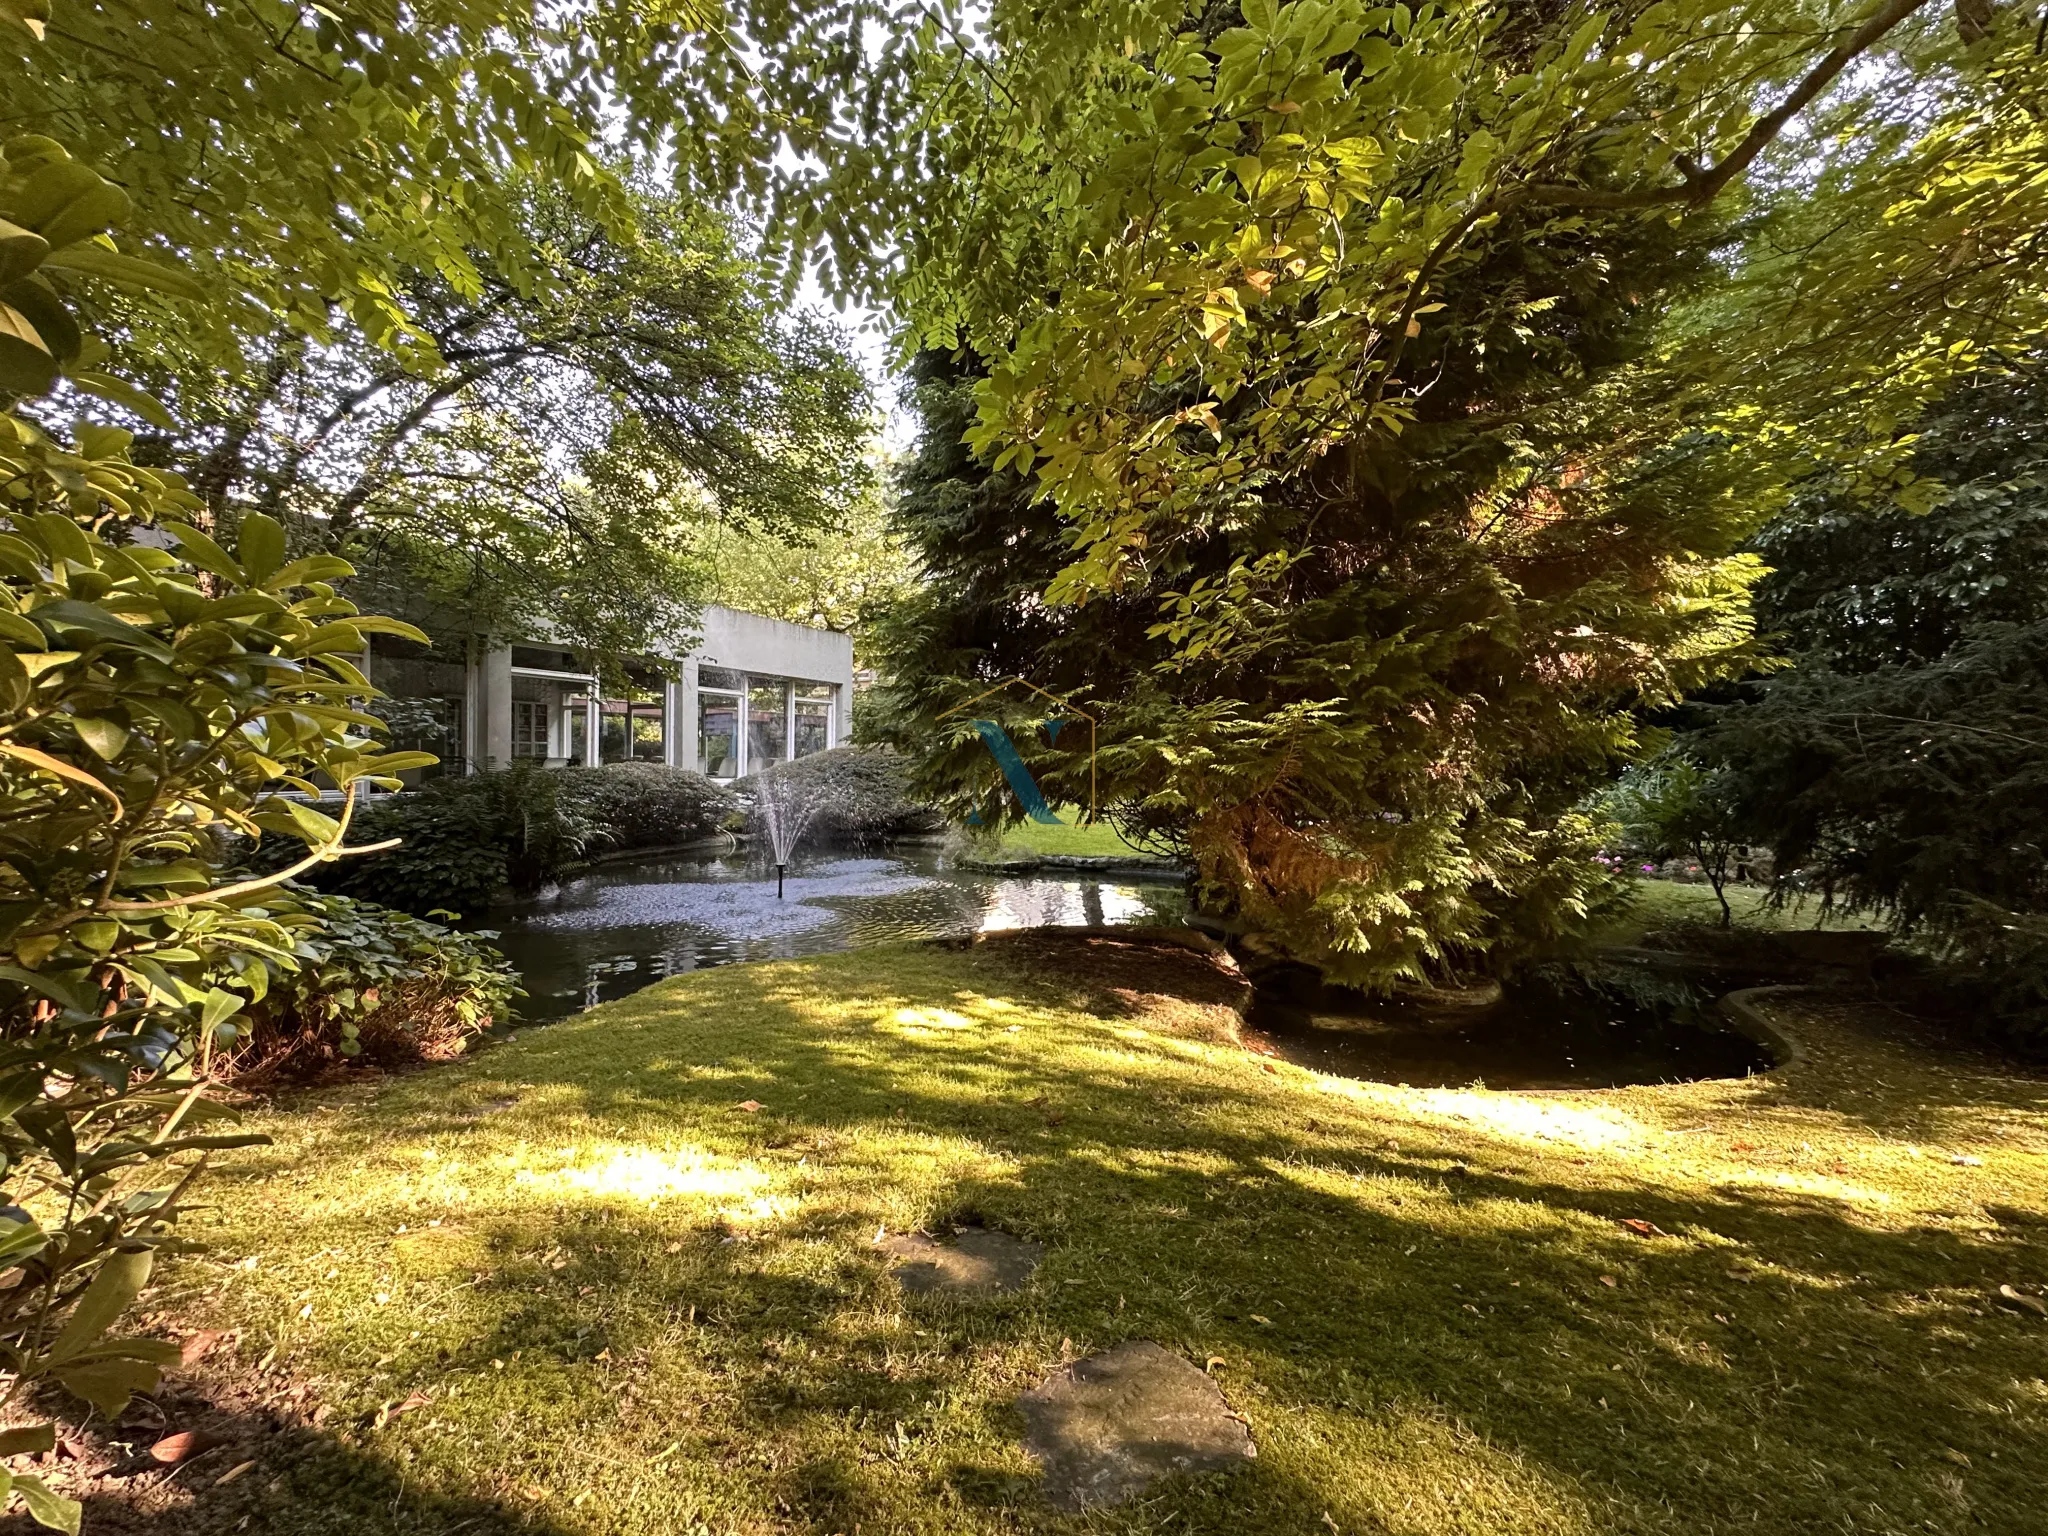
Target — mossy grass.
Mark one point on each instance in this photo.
(620, 1300)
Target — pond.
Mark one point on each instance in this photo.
(1560, 1032)
(624, 926)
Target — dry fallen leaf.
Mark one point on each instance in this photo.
(1610, 1282)
(1267, 1321)
(232, 1473)
(751, 1106)
(1214, 1361)
(1741, 1146)
(173, 1449)
(197, 1347)
(1643, 1228)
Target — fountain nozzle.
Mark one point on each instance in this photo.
(778, 882)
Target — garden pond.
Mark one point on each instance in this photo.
(624, 926)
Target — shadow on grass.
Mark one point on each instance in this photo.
(1458, 1320)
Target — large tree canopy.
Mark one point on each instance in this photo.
(566, 448)
(1338, 342)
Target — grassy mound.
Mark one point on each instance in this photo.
(622, 1276)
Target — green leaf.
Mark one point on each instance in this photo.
(105, 737)
(204, 553)
(109, 1382)
(70, 614)
(120, 392)
(21, 251)
(47, 1508)
(220, 1006)
(37, 302)
(18, 631)
(261, 546)
(312, 825)
(125, 271)
(63, 200)
(28, 1440)
(20, 1240)
(119, 1281)
(27, 367)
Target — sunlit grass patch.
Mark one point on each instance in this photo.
(628, 1267)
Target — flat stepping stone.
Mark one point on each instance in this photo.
(1108, 1427)
(977, 1259)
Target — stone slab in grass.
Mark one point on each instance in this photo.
(1108, 1427)
(977, 1259)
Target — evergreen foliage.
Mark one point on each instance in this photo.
(1371, 699)
(1902, 764)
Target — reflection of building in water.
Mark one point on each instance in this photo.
(1061, 904)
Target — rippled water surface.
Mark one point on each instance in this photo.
(624, 926)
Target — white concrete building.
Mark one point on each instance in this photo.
(751, 692)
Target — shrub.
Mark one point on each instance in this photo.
(462, 840)
(371, 982)
(646, 805)
(863, 793)
(146, 699)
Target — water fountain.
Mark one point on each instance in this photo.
(784, 808)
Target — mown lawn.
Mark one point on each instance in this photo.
(1070, 837)
(576, 1285)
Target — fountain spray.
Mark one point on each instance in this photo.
(784, 809)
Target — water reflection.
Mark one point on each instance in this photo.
(625, 926)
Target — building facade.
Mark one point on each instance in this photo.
(751, 692)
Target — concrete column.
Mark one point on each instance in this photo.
(684, 692)
(494, 709)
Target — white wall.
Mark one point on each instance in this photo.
(774, 648)
(739, 642)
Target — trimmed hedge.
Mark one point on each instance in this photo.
(863, 793)
(646, 805)
(463, 840)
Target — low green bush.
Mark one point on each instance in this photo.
(646, 805)
(370, 983)
(862, 792)
(463, 840)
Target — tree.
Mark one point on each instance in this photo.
(1900, 765)
(302, 157)
(1670, 808)
(564, 449)
(1334, 340)
(155, 690)
(849, 576)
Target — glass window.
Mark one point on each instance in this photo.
(767, 725)
(718, 735)
(614, 731)
(423, 704)
(719, 677)
(529, 728)
(578, 707)
(813, 726)
(649, 739)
